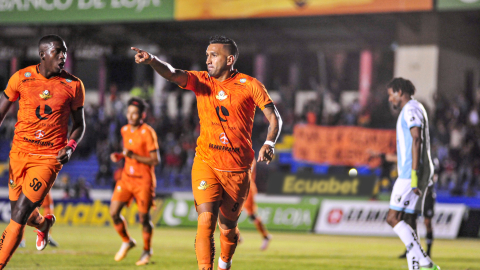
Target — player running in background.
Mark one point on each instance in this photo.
(251, 208)
(226, 102)
(141, 153)
(415, 169)
(47, 96)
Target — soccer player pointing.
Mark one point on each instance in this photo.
(415, 169)
(47, 96)
(226, 101)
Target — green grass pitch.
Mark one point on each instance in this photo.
(94, 248)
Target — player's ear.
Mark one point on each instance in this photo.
(230, 60)
(144, 115)
(41, 54)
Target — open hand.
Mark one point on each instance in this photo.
(266, 153)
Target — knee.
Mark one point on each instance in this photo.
(392, 219)
(252, 217)
(115, 215)
(206, 223)
(145, 220)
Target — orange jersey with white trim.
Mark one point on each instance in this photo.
(44, 109)
(140, 141)
(226, 110)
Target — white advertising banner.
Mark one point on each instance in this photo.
(369, 218)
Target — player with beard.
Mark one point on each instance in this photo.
(415, 169)
(47, 96)
(226, 102)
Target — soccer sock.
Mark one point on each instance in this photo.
(204, 241)
(228, 243)
(409, 238)
(121, 229)
(10, 240)
(147, 240)
(412, 261)
(36, 220)
(260, 227)
(429, 241)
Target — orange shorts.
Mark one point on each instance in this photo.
(48, 201)
(129, 188)
(32, 175)
(250, 206)
(210, 185)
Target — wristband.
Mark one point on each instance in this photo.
(72, 144)
(414, 183)
(272, 144)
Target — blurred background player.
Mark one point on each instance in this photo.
(141, 153)
(415, 169)
(226, 102)
(47, 96)
(251, 208)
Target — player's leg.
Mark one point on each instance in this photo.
(236, 187)
(47, 207)
(411, 220)
(429, 238)
(428, 213)
(404, 200)
(13, 234)
(122, 196)
(251, 208)
(145, 200)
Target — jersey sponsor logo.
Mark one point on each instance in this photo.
(66, 84)
(68, 80)
(243, 80)
(406, 203)
(40, 143)
(132, 170)
(46, 110)
(39, 134)
(130, 141)
(224, 112)
(223, 138)
(45, 95)
(335, 216)
(119, 188)
(223, 148)
(221, 95)
(412, 119)
(27, 74)
(203, 185)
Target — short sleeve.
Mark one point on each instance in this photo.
(79, 99)
(414, 117)
(260, 94)
(193, 81)
(12, 90)
(151, 140)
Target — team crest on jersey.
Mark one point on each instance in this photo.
(243, 80)
(39, 134)
(203, 185)
(12, 184)
(28, 74)
(398, 198)
(221, 95)
(130, 141)
(68, 80)
(119, 188)
(45, 95)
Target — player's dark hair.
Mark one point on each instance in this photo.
(140, 103)
(50, 38)
(398, 84)
(232, 46)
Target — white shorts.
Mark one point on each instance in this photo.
(403, 199)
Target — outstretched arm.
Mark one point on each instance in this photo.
(78, 129)
(163, 68)
(267, 151)
(4, 107)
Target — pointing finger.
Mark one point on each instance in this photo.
(136, 49)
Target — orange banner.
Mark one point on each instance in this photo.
(230, 9)
(341, 145)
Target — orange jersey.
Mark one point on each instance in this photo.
(141, 142)
(226, 110)
(44, 109)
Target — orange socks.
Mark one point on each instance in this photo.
(204, 241)
(228, 243)
(11, 237)
(121, 229)
(36, 220)
(260, 227)
(147, 240)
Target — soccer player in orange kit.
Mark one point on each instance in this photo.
(226, 102)
(251, 208)
(47, 96)
(141, 153)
